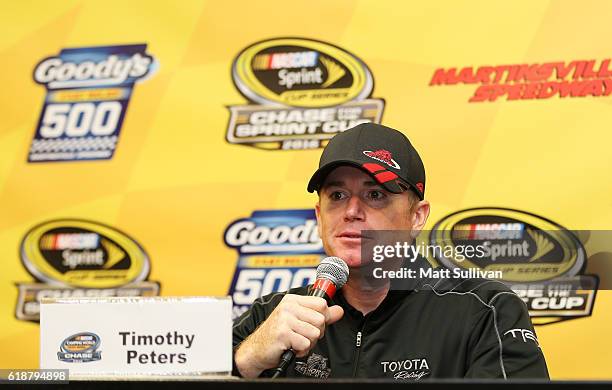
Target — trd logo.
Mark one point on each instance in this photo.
(524, 334)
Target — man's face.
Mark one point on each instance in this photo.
(350, 202)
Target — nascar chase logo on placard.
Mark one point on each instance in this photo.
(539, 259)
(77, 258)
(88, 90)
(302, 92)
(80, 348)
(277, 250)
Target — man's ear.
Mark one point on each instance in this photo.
(419, 217)
(318, 215)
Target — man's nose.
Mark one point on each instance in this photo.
(354, 209)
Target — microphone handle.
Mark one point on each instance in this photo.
(286, 359)
(316, 292)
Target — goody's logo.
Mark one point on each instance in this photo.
(540, 260)
(301, 92)
(78, 258)
(88, 91)
(80, 348)
(291, 231)
(277, 250)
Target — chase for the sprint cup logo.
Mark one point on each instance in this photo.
(301, 93)
(80, 348)
(277, 250)
(72, 258)
(88, 91)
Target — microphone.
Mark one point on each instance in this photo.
(332, 275)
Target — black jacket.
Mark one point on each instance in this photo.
(480, 329)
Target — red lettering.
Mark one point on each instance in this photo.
(482, 93)
(577, 78)
(513, 71)
(531, 90)
(500, 90)
(593, 88)
(483, 75)
(574, 88)
(588, 70)
(544, 72)
(579, 69)
(499, 73)
(563, 70)
(514, 91)
(466, 75)
(603, 69)
(527, 73)
(548, 89)
(608, 86)
(444, 77)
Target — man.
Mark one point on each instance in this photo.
(370, 178)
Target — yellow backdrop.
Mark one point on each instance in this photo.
(175, 184)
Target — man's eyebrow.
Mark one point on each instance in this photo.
(335, 183)
(340, 183)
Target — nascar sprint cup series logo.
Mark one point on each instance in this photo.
(277, 250)
(301, 93)
(541, 261)
(88, 90)
(77, 258)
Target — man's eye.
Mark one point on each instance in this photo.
(376, 195)
(337, 195)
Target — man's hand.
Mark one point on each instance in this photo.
(297, 322)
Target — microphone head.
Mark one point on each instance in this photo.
(333, 269)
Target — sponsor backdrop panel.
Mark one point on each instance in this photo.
(164, 149)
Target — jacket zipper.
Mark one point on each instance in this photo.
(357, 348)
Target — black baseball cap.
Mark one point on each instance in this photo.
(384, 153)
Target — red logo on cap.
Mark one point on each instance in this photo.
(380, 173)
(384, 156)
(419, 185)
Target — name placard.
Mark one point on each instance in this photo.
(137, 336)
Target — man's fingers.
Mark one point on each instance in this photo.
(307, 330)
(314, 303)
(300, 344)
(312, 317)
(310, 311)
(334, 313)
